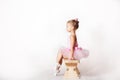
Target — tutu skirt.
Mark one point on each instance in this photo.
(79, 52)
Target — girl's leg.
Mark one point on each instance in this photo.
(58, 63)
(59, 58)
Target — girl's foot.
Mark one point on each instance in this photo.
(57, 69)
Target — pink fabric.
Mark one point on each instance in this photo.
(79, 52)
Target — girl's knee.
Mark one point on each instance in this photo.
(60, 54)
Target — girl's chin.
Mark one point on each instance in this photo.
(68, 30)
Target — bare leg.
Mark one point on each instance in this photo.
(59, 58)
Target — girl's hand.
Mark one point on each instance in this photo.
(71, 57)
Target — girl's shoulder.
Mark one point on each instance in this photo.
(73, 37)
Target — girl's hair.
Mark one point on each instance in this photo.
(74, 22)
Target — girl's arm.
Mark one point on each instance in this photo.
(72, 43)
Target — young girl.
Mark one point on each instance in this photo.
(72, 51)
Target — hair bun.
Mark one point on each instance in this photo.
(76, 19)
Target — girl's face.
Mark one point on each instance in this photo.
(69, 27)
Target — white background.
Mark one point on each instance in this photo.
(31, 32)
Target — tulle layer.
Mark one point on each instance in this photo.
(79, 52)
